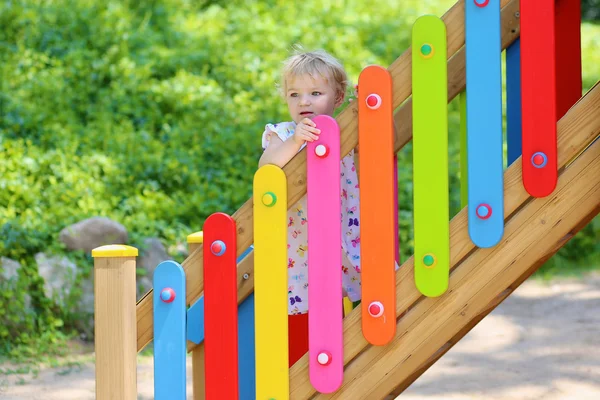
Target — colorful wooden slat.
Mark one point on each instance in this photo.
(464, 175)
(169, 331)
(195, 322)
(325, 329)
(377, 209)
(246, 349)
(396, 220)
(246, 355)
(271, 283)
(220, 308)
(246, 341)
(430, 156)
(484, 122)
(568, 54)
(347, 306)
(298, 337)
(513, 102)
(538, 96)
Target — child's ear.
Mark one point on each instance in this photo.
(339, 99)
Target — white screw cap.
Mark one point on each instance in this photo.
(324, 358)
(321, 150)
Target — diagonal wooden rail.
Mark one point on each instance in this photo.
(480, 278)
(295, 170)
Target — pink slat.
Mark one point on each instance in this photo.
(325, 329)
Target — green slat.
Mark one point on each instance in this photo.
(430, 155)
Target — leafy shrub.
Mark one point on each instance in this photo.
(150, 113)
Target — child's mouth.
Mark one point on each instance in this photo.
(306, 113)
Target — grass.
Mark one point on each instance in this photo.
(559, 267)
(64, 353)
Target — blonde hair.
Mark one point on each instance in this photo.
(312, 63)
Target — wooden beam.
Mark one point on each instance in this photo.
(494, 303)
(579, 127)
(456, 71)
(484, 278)
(144, 309)
(295, 170)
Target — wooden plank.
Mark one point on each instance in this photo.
(513, 102)
(246, 357)
(377, 207)
(456, 72)
(495, 302)
(295, 170)
(536, 230)
(114, 295)
(245, 284)
(484, 123)
(271, 283)
(326, 361)
(198, 328)
(538, 96)
(220, 308)
(246, 349)
(568, 54)
(464, 177)
(577, 129)
(169, 331)
(430, 156)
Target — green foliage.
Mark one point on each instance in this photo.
(150, 113)
(590, 10)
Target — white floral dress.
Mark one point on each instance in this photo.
(298, 232)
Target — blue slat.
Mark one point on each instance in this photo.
(484, 121)
(246, 353)
(169, 333)
(195, 318)
(513, 101)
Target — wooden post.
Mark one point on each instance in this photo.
(115, 322)
(195, 241)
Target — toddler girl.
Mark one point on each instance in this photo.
(313, 83)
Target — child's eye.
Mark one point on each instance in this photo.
(294, 95)
(316, 93)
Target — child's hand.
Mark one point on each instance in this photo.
(306, 131)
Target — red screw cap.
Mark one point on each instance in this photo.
(324, 358)
(484, 211)
(373, 101)
(376, 309)
(167, 295)
(321, 151)
(218, 247)
(539, 160)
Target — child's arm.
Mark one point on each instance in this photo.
(280, 153)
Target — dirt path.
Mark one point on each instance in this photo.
(543, 342)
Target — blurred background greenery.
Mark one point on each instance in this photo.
(150, 113)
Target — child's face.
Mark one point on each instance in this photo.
(308, 97)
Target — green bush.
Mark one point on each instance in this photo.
(150, 113)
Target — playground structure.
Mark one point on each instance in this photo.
(536, 222)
